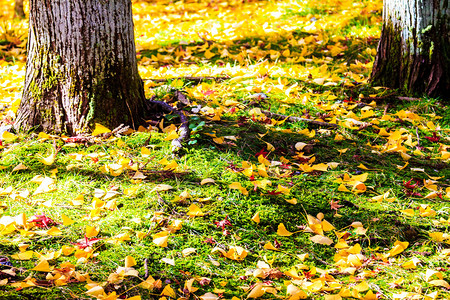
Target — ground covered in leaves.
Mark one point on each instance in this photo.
(354, 205)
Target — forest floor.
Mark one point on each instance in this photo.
(356, 206)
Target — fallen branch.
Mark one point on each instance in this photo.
(196, 79)
(296, 119)
(183, 131)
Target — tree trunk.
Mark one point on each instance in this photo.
(18, 9)
(81, 67)
(414, 49)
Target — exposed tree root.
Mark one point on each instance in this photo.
(296, 119)
(183, 131)
(195, 79)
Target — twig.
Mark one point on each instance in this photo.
(296, 119)
(418, 138)
(408, 99)
(378, 98)
(196, 79)
(146, 268)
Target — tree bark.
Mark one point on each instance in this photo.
(18, 9)
(81, 67)
(414, 49)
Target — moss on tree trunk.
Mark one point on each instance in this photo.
(414, 49)
(81, 67)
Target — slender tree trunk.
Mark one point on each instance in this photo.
(414, 49)
(81, 67)
(18, 9)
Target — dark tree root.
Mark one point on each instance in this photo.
(296, 119)
(189, 78)
(183, 131)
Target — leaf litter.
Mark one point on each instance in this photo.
(300, 180)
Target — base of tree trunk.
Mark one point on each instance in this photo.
(414, 50)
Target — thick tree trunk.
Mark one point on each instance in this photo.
(18, 9)
(414, 49)
(81, 67)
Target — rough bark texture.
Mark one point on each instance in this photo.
(18, 9)
(81, 67)
(414, 49)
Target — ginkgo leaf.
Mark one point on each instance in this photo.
(270, 246)
(168, 291)
(209, 296)
(188, 251)
(91, 231)
(172, 135)
(129, 262)
(398, 248)
(19, 167)
(195, 211)
(100, 129)
(145, 152)
(206, 181)
(320, 239)
(282, 231)
(42, 266)
(8, 136)
(238, 186)
(256, 218)
(257, 291)
(161, 188)
(49, 160)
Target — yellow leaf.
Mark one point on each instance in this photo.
(161, 188)
(145, 152)
(206, 181)
(172, 135)
(209, 296)
(440, 282)
(194, 211)
(292, 201)
(402, 167)
(169, 292)
(42, 266)
(437, 236)
(361, 166)
(339, 137)
(269, 246)
(411, 264)
(49, 160)
(320, 239)
(8, 136)
(409, 212)
(257, 291)
(398, 248)
(342, 151)
(27, 255)
(19, 167)
(361, 287)
(342, 188)
(255, 218)
(161, 241)
(129, 262)
(188, 251)
(91, 231)
(282, 231)
(97, 291)
(100, 129)
(54, 231)
(238, 186)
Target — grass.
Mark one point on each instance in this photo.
(323, 76)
